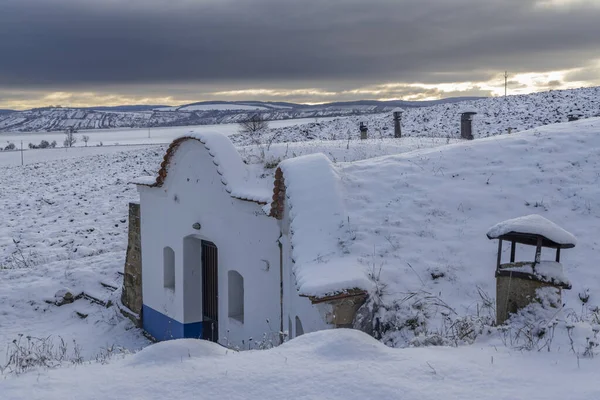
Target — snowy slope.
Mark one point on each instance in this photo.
(495, 116)
(418, 223)
(340, 364)
(419, 220)
(64, 225)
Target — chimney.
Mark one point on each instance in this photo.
(397, 124)
(466, 125)
(363, 130)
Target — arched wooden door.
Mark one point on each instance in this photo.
(210, 291)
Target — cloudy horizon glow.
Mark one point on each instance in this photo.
(115, 52)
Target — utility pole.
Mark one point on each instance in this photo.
(21, 153)
(505, 82)
(148, 132)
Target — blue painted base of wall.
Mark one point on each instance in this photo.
(161, 327)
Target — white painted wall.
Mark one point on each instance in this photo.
(244, 235)
(312, 317)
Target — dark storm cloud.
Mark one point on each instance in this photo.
(62, 43)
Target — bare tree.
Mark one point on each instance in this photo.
(254, 127)
(85, 139)
(70, 138)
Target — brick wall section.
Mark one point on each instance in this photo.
(132, 280)
(278, 195)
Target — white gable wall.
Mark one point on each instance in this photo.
(312, 317)
(296, 307)
(246, 240)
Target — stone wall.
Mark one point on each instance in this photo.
(343, 310)
(513, 294)
(132, 280)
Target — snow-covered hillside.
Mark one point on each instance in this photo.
(419, 221)
(438, 118)
(495, 116)
(60, 119)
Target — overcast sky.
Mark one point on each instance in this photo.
(101, 52)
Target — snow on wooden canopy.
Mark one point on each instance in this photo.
(528, 228)
(227, 161)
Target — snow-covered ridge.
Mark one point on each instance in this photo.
(495, 116)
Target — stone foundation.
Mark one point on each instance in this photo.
(343, 310)
(132, 279)
(513, 294)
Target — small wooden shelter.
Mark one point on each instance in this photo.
(518, 281)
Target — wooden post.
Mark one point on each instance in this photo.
(558, 255)
(499, 254)
(513, 246)
(538, 250)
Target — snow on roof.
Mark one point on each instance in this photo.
(412, 213)
(533, 224)
(318, 223)
(146, 180)
(234, 173)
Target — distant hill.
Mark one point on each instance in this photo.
(495, 116)
(400, 103)
(3, 111)
(126, 108)
(199, 113)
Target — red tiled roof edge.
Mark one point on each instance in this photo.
(162, 173)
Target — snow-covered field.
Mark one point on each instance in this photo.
(33, 156)
(341, 364)
(135, 135)
(419, 216)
